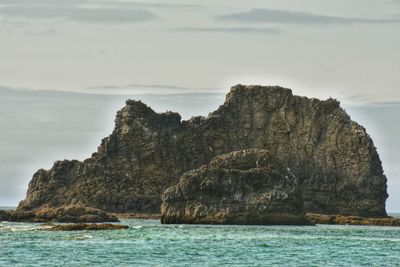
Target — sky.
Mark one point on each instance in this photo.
(67, 66)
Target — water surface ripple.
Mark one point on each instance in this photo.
(148, 243)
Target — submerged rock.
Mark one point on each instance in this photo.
(333, 157)
(242, 187)
(86, 227)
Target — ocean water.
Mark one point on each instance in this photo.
(149, 243)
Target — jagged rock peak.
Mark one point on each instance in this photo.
(240, 89)
(137, 110)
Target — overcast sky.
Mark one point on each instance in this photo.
(345, 49)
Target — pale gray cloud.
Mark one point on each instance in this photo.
(96, 2)
(74, 11)
(295, 17)
(244, 30)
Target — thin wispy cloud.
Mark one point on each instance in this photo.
(93, 14)
(241, 30)
(295, 17)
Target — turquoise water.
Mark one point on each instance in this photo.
(148, 243)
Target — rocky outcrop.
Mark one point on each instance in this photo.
(86, 227)
(332, 156)
(17, 216)
(244, 187)
(352, 220)
(65, 214)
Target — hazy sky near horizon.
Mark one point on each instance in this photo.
(184, 55)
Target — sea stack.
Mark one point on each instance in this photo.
(334, 159)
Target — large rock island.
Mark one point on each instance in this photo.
(334, 159)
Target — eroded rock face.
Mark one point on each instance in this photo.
(243, 187)
(333, 157)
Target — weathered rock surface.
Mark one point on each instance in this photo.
(66, 214)
(86, 227)
(333, 157)
(243, 187)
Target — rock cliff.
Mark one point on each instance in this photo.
(242, 187)
(333, 157)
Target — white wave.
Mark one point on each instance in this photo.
(21, 228)
(18, 227)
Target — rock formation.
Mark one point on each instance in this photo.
(64, 214)
(243, 187)
(333, 157)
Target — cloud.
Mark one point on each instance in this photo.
(155, 4)
(295, 17)
(74, 11)
(245, 30)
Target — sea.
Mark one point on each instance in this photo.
(149, 243)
